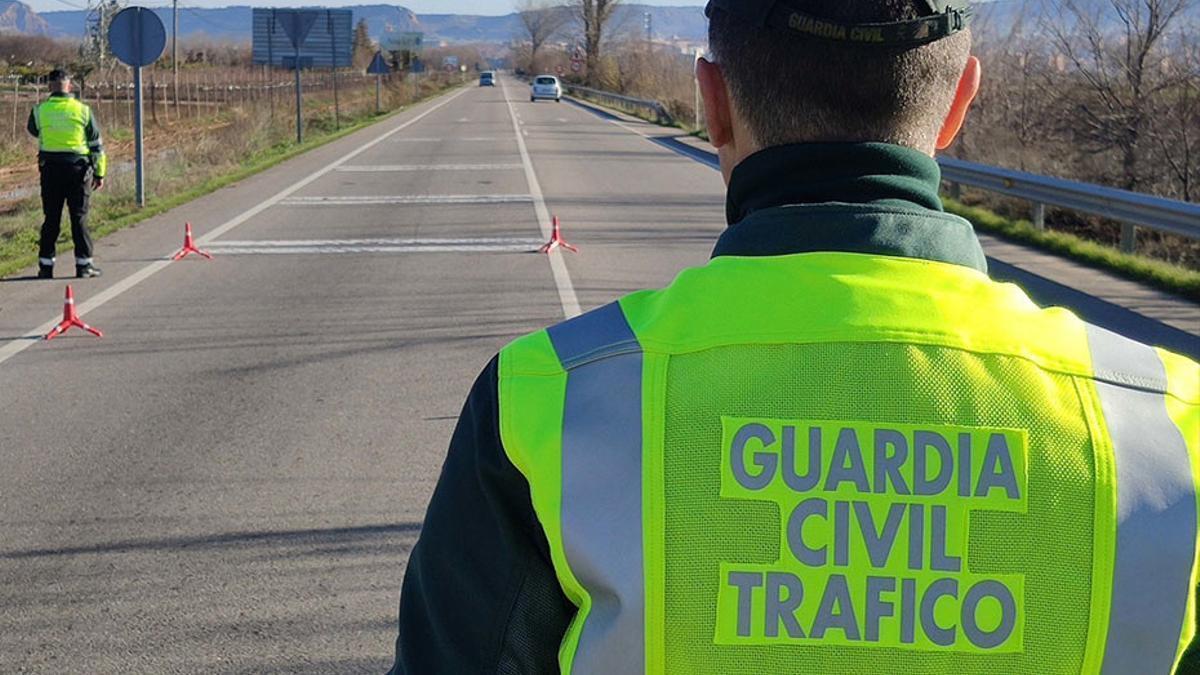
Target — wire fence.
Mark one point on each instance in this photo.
(199, 93)
(216, 118)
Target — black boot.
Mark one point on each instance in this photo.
(45, 271)
(86, 271)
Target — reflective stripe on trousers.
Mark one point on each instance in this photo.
(1156, 508)
(602, 486)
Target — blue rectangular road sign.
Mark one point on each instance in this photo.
(289, 62)
(328, 42)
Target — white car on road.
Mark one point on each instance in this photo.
(545, 86)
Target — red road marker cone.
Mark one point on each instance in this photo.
(71, 319)
(556, 240)
(189, 246)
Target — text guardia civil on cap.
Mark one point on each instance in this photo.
(946, 18)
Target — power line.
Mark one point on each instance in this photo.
(198, 15)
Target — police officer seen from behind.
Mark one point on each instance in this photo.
(838, 447)
(72, 163)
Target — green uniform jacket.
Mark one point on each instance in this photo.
(492, 587)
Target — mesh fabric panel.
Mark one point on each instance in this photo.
(1051, 544)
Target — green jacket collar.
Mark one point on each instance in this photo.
(854, 197)
(61, 94)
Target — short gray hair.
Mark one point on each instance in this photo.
(793, 89)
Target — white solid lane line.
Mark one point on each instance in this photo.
(558, 267)
(386, 168)
(14, 347)
(379, 249)
(683, 151)
(334, 200)
(383, 241)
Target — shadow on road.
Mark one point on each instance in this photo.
(320, 536)
(1102, 313)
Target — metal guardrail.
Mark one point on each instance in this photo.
(619, 101)
(1132, 209)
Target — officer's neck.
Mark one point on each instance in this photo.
(814, 173)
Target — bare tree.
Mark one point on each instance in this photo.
(1176, 128)
(1016, 94)
(1115, 48)
(594, 16)
(363, 45)
(541, 21)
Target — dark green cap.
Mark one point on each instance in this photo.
(946, 18)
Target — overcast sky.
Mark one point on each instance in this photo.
(418, 6)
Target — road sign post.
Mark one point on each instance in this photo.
(696, 85)
(137, 37)
(379, 68)
(139, 150)
(337, 110)
(297, 23)
(299, 102)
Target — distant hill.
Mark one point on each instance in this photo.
(17, 17)
(233, 23)
(682, 23)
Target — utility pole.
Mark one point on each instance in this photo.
(175, 50)
(649, 27)
(101, 37)
(696, 83)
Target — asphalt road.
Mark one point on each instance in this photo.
(231, 479)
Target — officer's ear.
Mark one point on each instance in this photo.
(968, 87)
(717, 112)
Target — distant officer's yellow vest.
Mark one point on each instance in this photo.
(62, 125)
(845, 463)
(61, 122)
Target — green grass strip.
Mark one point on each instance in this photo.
(1156, 273)
(20, 250)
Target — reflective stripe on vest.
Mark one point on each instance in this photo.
(1156, 508)
(602, 486)
(572, 401)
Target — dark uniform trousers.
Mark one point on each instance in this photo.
(70, 182)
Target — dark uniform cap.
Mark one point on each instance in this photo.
(58, 75)
(946, 18)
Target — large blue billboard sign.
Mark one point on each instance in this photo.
(322, 35)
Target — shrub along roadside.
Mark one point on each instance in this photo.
(179, 182)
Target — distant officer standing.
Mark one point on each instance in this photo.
(72, 163)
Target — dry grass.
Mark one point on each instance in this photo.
(190, 156)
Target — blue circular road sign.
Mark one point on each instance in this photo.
(136, 36)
